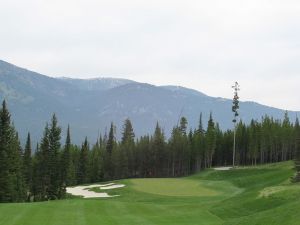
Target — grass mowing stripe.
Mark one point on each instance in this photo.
(210, 198)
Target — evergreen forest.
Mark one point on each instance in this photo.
(42, 171)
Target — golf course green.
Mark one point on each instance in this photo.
(259, 195)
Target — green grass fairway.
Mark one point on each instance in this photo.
(174, 187)
(245, 196)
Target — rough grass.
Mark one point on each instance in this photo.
(246, 196)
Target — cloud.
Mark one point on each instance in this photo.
(206, 45)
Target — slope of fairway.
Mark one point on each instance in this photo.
(259, 195)
(172, 187)
(182, 187)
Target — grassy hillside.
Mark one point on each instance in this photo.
(256, 196)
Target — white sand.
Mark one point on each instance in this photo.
(86, 193)
(223, 168)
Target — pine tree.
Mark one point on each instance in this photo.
(127, 134)
(67, 165)
(83, 176)
(43, 165)
(47, 175)
(144, 156)
(55, 189)
(286, 137)
(179, 149)
(297, 126)
(296, 178)
(235, 110)
(27, 167)
(127, 157)
(37, 174)
(158, 147)
(183, 125)
(6, 183)
(242, 143)
(17, 166)
(11, 177)
(210, 141)
(200, 126)
(95, 167)
(111, 139)
(253, 143)
(199, 145)
(110, 145)
(174, 147)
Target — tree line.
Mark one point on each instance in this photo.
(44, 174)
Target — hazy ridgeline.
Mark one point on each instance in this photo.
(42, 172)
(90, 105)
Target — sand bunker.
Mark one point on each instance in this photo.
(86, 193)
(223, 168)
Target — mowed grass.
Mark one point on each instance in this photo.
(175, 187)
(252, 195)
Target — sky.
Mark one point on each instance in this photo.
(204, 45)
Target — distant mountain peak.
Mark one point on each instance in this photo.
(98, 83)
(184, 90)
(96, 78)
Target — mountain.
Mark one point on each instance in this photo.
(96, 84)
(90, 105)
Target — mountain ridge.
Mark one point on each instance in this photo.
(89, 106)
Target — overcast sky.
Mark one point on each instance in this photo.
(205, 45)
